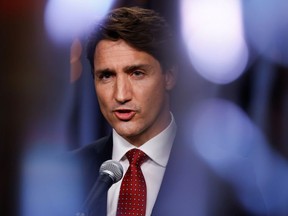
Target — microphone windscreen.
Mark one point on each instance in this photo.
(113, 168)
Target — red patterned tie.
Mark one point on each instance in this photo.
(132, 197)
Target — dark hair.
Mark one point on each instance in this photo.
(143, 29)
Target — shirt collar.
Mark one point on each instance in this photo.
(158, 148)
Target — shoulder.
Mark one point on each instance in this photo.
(91, 156)
(88, 159)
(99, 146)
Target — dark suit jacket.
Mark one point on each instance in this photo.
(189, 186)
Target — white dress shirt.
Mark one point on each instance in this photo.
(158, 149)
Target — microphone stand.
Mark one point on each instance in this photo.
(95, 202)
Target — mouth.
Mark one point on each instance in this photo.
(124, 114)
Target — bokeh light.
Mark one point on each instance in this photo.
(213, 34)
(233, 146)
(266, 23)
(75, 60)
(68, 19)
(51, 186)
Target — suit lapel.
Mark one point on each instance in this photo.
(183, 190)
(93, 156)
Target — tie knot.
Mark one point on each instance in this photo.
(136, 157)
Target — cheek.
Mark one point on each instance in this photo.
(153, 95)
(102, 98)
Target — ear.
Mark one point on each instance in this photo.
(170, 77)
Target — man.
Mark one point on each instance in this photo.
(134, 70)
(133, 57)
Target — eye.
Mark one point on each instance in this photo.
(138, 74)
(105, 76)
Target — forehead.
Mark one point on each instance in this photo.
(119, 53)
(108, 45)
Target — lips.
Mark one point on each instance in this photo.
(124, 114)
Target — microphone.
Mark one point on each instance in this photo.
(110, 172)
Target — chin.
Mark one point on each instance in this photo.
(127, 133)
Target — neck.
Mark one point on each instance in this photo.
(145, 136)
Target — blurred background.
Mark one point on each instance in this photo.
(232, 92)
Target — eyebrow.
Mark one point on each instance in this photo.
(105, 70)
(131, 68)
(126, 69)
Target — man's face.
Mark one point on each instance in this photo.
(132, 90)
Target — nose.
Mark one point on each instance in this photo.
(123, 91)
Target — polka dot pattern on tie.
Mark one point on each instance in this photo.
(133, 193)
